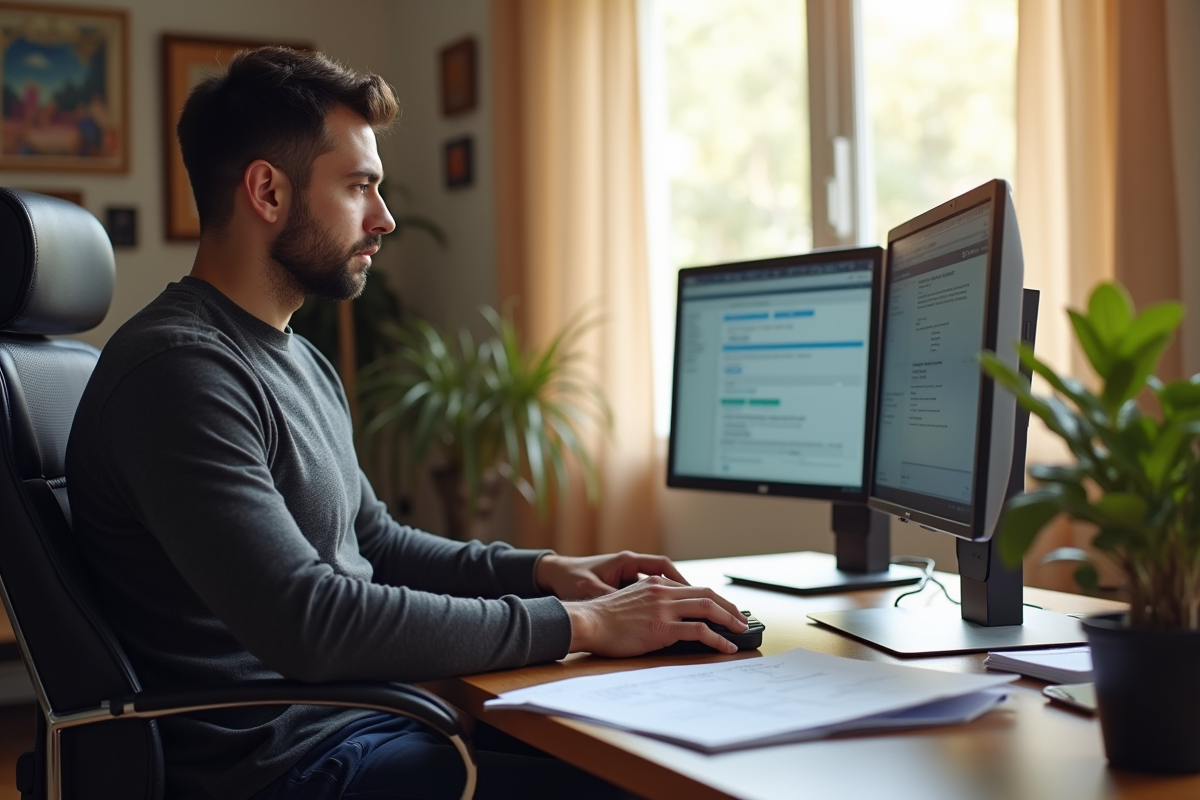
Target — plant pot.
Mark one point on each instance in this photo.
(1148, 694)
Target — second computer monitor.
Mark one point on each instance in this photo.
(774, 375)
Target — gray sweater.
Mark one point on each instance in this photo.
(217, 498)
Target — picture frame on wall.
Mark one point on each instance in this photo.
(459, 76)
(459, 163)
(186, 61)
(65, 77)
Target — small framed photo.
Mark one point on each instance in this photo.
(186, 61)
(459, 158)
(459, 77)
(65, 80)
(121, 223)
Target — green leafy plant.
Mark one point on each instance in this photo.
(1135, 475)
(487, 406)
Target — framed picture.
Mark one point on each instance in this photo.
(459, 164)
(186, 61)
(121, 223)
(64, 73)
(459, 77)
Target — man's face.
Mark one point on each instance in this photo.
(334, 227)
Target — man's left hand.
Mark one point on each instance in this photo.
(581, 577)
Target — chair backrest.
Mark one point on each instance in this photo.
(56, 277)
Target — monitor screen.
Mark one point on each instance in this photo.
(773, 379)
(935, 309)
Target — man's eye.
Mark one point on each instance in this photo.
(362, 187)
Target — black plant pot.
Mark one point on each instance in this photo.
(1148, 691)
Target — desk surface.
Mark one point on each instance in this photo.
(1025, 749)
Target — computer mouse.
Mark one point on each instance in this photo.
(749, 639)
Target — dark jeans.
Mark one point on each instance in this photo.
(383, 757)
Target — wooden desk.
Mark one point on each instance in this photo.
(1024, 750)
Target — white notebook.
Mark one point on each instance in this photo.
(1060, 665)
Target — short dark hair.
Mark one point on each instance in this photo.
(271, 104)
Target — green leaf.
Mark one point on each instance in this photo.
(1097, 352)
(1048, 473)
(1180, 395)
(1122, 508)
(1068, 387)
(1023, 517)
(1119, 384)
(1110, 311)
(1155, 322)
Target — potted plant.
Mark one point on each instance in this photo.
(1136, 478)
(489, 411)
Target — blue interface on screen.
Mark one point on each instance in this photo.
(935, 294)
(772, 374)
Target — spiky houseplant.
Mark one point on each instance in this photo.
(494, 407)
(1136, 474)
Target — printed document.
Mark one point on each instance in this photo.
(787, 697)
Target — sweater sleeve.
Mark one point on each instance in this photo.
(188, 437)
(404, 556)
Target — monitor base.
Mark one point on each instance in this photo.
(815, 573)
(943, 631)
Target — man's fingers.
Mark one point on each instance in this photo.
(706, 608)
(699, 632)
(658, 565)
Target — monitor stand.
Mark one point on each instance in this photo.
(862, 544)
(993, 615)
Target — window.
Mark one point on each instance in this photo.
(773, 126)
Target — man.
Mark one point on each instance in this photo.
(217, 496)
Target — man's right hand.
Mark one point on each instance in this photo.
(648, 615)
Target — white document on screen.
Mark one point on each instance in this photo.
(793, 696)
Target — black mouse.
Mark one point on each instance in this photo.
(749, 639)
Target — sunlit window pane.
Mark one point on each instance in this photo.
(737, 141)
(734, 147)
(941, 98)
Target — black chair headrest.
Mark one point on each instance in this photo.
(56, 265)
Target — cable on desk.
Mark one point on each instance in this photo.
(928, 578)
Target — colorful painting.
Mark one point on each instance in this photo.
(63, 75)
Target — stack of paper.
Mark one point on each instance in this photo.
(789, 697)
(1062, 665)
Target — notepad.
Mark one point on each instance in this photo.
(792, 696)
(1061, 665)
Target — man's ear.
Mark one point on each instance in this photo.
(267, 190)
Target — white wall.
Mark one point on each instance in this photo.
(442, 285)
(344, 30)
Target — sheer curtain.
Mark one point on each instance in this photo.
(1095, 186)
(571, 223)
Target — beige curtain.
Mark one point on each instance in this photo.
(1095, 188)
(572, 235)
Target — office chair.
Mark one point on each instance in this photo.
(56, 277)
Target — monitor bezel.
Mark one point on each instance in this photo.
(904, 504)
(845, 494)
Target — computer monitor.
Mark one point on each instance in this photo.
(774, 395)
(949, 445)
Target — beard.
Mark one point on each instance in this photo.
(317, 263)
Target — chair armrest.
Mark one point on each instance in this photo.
(395, 698)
